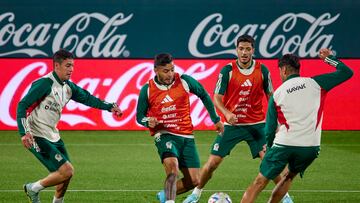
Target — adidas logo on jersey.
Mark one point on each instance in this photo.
(167, 99)
(247, 83)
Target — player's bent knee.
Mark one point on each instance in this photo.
(214, 162)
(67, 170)
(260, 181)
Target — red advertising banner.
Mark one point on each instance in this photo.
(121, 80)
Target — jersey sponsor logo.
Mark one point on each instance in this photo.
(241, 109)
(167, 116)
(244, 93)
(298, 87)
(167, 99)
(243, 99)
(169, 108)
(247, 83)
(171, 125)
(52, 106)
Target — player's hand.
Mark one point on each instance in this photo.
(116, 110)
(152, 122)
(27, 140)
(231, 118)
(264, 148)
(219, 128)
(324, 52)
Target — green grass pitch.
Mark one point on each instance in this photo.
(123, 166)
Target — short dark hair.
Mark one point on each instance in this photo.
(162, 59)
(62, 55)
(290, 61)
(245, 38)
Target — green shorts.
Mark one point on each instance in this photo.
(254, 135)
(298, 158)
(182, 148)
(51, 154)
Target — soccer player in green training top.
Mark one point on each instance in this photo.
(293, 123)
(164, 107)
(38, 114)
(239, 93)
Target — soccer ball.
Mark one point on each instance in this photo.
(219, 197)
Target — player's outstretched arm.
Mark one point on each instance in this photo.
(83, 96)
(331, 80)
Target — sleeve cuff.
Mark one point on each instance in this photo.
(216, 120)
(331, 60)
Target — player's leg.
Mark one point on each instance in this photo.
(254, 189)
(65, 172)
(286, 197)
(301, 158)
(271, 166)
(189, 164)
(220, 148)
(257, 144)
(61, 188)
(166, 145)
(282, 187)
(171, 169)
(47, 153)
(208, 169)
(189, 181)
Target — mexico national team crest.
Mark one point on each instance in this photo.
(168, 145)
(216, 147)
(58, 157)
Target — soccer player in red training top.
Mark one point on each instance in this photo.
(38, 114)
(238, 95)
(293, 123)
(164, 108)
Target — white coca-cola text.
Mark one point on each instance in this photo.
(279, 37)
(30, 39)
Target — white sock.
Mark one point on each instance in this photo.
(170, 201)
(287, 194)
(58, 200)
(36, 187)
(197, 191)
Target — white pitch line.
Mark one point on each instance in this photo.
(298, 191)
(151, 144)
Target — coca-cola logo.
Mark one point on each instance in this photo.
(123, 89)
(278, 37)
(30, 39)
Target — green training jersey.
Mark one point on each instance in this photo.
(39, 112)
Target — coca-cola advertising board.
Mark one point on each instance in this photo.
(121, 80)
(187, 29)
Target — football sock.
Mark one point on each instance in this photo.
(58, 200)
(170, 201)
(36, 187)
(197, 191)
